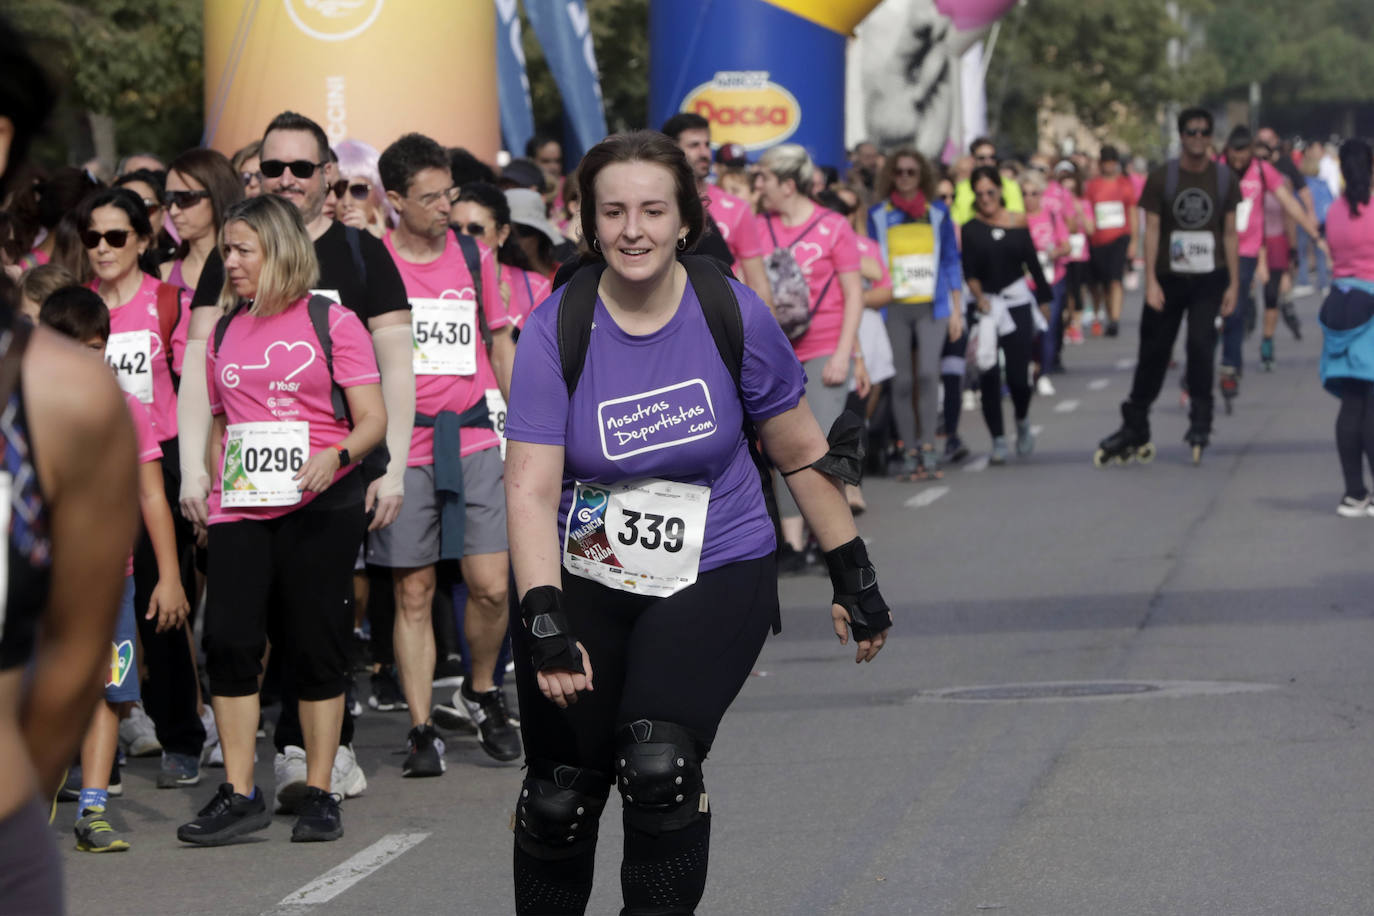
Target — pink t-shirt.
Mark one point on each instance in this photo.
(527, 289)
(869, 249)
(148, 449)
(1351, 240)
(823, 251)
(447, 277)
(738, 225)
(271, 368)
(1048, 232)
(140, 314)
(1260, 177)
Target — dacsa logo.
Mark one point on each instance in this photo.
(745, 108)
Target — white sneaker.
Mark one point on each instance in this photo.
(970, 400)
(1303, 289)
(1044, 387)
(214, 756)
(138, 734)
(289, 769)
(211, 744)
(347, 778)
(1353, 508)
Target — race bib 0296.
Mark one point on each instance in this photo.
(261, 461)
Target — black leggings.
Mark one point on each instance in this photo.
(298, 566)
(1016, 348)
(1355, 434)
(30, 866)
(682, 660)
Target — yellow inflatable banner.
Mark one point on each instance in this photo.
(364, 69)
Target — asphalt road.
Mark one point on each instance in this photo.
(1190, 733)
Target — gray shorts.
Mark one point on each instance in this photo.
(412, 540)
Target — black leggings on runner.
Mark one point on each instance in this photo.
(680, 660)
(1355, 434)
(30, 865)
(1016, 349)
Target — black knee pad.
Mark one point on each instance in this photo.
(658, 773)
(559, 809)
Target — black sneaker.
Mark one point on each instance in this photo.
(424, 752)
(319, 820)
(448, 671)
(386, 691)
(1113, 328)
(790, 560)
(227, 816)
(495, 733)
(955, 450)
(116, 784)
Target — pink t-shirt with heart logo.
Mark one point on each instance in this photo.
(823, 251)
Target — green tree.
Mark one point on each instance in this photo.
(130, 72)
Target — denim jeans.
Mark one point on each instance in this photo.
(1233, 330)
(1307, 253)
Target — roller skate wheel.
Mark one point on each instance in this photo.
(1123, 459)
(1100, 458)
(1146, 453)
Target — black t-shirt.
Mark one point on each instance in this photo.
(1193, 209)
(1290, 171)
(383, 290)
(997, 257)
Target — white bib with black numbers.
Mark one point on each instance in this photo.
(1192, 252)
(445, 333)
(1078, 245)
(1046, 265)
(130, 355)
(1243, 211)
(496, 406)
(261, 461)
(1109, 214)
(643, 537)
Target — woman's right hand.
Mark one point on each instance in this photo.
(194, 504)
(956, 325)
(561, 686)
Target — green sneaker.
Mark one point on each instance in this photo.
(94, 833)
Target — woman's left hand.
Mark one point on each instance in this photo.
(319, 471)
(836, 370)
(866, 649)
(862, 383)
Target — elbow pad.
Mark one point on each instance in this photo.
(395, 360)
(193, 420)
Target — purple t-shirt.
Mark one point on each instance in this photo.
(661, 405)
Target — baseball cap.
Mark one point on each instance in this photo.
(523, 173)
(732, 154)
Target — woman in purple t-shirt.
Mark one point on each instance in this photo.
(641, 544)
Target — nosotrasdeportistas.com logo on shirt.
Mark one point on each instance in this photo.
(333, 20)
(656, 419)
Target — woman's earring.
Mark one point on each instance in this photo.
(682, 243)
(596, 243)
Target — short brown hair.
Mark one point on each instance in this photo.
(289, 267)
(641, 146)
(38, 283)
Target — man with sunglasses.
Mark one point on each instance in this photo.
(984, 152)
(356, 270)
(1191, 271)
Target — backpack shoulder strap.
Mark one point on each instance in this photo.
(575, 312)
(1170, 182)
(355, 247)
(721, 308)
(473, 258)
(318, 309)
(1223, 183)
(168, 316)
(222, 326)
(768, 221)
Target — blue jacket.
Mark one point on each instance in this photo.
(950, 276)
(1347, 323)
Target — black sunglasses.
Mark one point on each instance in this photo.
(116, 237)
(906, 172)
(358, 191)
(471, 228)
(184, 199)
(272, 168)
(1197, 131)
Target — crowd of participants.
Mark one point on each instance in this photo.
(317, 346)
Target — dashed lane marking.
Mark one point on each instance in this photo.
(354, 869)
(925, 497)
(1067, 406)
(1125, 364)
(1098, 384)
(977, 464)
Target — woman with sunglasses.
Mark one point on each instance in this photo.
(245, 163)
(998, 253)
(482, 212)
(916, 236)
(1051, 237)
(201, 186)
(360, 202)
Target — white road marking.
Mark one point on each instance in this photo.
(1037, 430)
(925, 497)
(1068, 406)
(337, 880)
(1098, 384)
(1125, 364)
(977, 464)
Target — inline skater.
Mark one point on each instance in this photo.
(672, 649)
(1192, 258)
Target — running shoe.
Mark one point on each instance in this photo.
(227, 817)
(116, 786)
(1351, 507)
(138, 735)
(386, 691)
(1113, 328)
(448, 671)
(178, 770)
(1303, 289)
(319, 820)
(347, 777)
(1096, 328)
(453, 716)
(1025, 439)
(790, 561)
(999, 453)
(1289, 313)
(424, 753)
(1073, 335)
(94, 833)
(351, 701)
(289, 769)
(1044, 387)
(495, 733)
(955, 450)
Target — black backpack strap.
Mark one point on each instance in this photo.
(473, 257)
(222, 326)
(1170, 182)
(721, 308)
(1223, 183)
(318, 308)
(575, 312)
(355, 245)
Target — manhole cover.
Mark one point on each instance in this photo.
(1087, 690)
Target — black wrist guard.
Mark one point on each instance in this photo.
(856, 589)
(551, 645)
